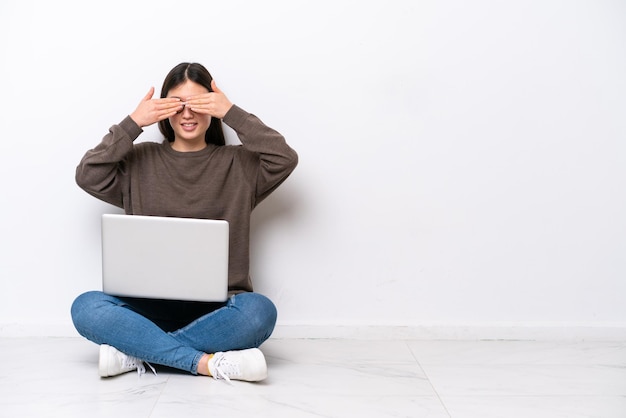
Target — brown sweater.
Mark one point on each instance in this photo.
(218, 182)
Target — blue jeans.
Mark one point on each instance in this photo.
(174, 333)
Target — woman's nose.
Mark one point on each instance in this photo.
(186, 111)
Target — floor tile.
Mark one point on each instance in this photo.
(277, 405)
(536, 407)
(520, 380)
(327, 351)
(57, 377)
(519, 352)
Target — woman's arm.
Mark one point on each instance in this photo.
(101, 170)
(276, 158)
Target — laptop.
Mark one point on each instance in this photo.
(165, 257)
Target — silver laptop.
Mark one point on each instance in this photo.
(165, 258)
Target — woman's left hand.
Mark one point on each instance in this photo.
(215, 103)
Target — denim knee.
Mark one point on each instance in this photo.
(260, 312)
(84, 311)
(80, 306)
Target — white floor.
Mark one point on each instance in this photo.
(57, 377)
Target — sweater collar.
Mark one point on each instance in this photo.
(167, 146)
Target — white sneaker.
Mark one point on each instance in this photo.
(246, 365)
(113, 362)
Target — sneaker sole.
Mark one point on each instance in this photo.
(103, 362)
(261, 372)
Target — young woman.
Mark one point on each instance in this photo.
(190, 174)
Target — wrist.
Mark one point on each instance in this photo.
(130, 126)
(136, 119)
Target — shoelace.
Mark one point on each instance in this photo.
(134, 362)
(223, 369)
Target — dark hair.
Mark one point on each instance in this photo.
(198, 74)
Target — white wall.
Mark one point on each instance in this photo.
(461, 163)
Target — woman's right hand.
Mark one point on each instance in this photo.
(151, 110)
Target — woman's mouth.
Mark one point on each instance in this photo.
(188, 126)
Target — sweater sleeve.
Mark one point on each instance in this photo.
(276, 159)
(101, 171)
